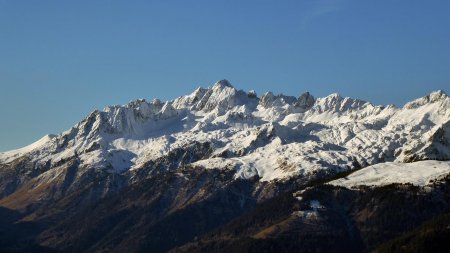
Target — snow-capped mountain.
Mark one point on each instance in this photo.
(218, 146)
(272, 136)
(244, 129)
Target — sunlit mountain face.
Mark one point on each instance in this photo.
(227, 170)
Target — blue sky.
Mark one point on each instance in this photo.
(59, 59)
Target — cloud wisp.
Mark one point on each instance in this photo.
(317, 9)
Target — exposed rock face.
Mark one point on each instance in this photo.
(305, 101)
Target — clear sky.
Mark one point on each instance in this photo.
(61, 59)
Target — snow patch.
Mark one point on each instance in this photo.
(417, 173)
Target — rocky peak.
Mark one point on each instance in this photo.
(191, 100)
(335, 103)
(305, 101)
(433, 97)
(136, 103)
(157, 102)
(252, 94)
(333, 97)
(221, 96)
(269, 100)
(168, 111)
(222, 84)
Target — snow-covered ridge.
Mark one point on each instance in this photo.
(39, 144)
(417, 173)
(272, 136)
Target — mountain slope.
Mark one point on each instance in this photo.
(326, 218)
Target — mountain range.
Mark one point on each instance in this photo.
(225, 170)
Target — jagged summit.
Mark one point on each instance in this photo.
(334, 95)
(435, 96)
(438, 93)
(223, 83)
(305, 101)
(270, 100)
(335, 103)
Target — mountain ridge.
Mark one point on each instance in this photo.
(150, 167)
(219, 105)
